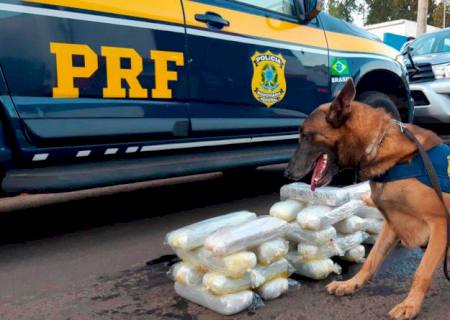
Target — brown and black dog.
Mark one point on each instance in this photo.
(350, 134)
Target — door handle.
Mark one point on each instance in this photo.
(213, 20)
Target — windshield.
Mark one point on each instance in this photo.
(432, 43)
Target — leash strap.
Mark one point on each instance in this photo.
(435, 184)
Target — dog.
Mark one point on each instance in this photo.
(349, 134)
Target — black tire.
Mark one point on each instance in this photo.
(379, 100)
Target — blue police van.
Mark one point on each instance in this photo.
(96, 93)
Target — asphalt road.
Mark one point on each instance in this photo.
(100, 258)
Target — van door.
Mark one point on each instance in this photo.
(254, 67)
(84, 72)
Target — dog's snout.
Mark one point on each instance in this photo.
(289, 175)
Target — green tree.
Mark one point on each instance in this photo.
(381, 10)
(344, 9)
(437, 16)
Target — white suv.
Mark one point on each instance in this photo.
(430, 81)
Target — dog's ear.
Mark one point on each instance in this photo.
(341, 106)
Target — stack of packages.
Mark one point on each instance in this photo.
(372, 218)
(323, 224)
(231, 260)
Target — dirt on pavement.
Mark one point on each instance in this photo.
(145, 292)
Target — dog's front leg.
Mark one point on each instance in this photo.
(433, 256)
(386, 241)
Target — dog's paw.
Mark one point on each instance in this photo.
(342, 288)
(405, 311)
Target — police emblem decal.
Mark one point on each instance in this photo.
(269, 80)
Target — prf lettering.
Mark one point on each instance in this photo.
(116, 75)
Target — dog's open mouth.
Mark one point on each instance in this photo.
(319, 173)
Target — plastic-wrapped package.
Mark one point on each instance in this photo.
(298, 234)
(186, 274)
(193, 236)
(350, 225)
(274, 288)
(271, 251)
(357, 191)
(328, 196)
(371, 239)
(346, 242)
(373, 226)
(311, 252)
(355, 254)
(226, 305)
(311, 217)
(286, 210)
(233, 266)
(230, 240)
(260, 274)
(369, 212)
(317, 269)
(219, 284)
(319, 217)
(338, 247)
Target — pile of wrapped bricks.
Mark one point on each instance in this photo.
(232, 261)
(326, 223)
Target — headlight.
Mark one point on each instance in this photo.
(441, 71)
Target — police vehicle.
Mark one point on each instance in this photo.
(96, 93)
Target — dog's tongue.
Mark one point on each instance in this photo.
(319, 171)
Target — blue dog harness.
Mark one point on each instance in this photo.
(440, 157)
(430, 170)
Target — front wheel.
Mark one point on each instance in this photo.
(378, 99)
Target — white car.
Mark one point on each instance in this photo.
(430, 82)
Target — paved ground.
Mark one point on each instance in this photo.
(87, 259)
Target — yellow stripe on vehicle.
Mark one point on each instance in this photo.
(345, 42)
(241, 23)
(256, 26)
(161, 10)
(277, 30)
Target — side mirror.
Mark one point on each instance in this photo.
(406, 51)
(313, 8)
(406, 47)
(308, 9)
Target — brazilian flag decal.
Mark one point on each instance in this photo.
(339, 67)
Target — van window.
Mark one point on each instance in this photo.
(281, 6)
